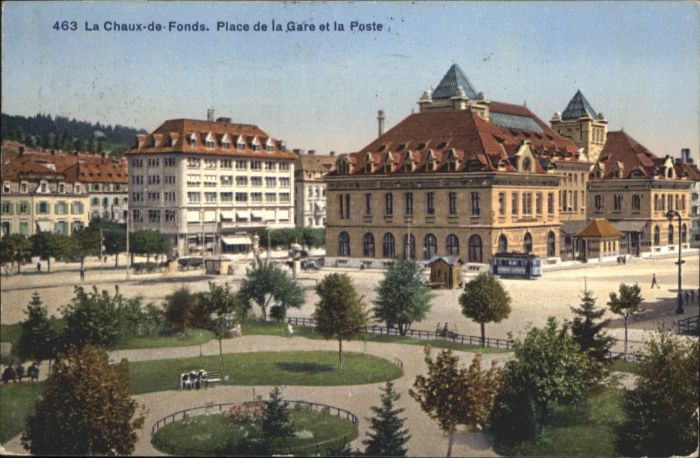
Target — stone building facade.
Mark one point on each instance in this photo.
(634, 189)
(465, 176)
(210, 184)
(310, 188)
(38, 198)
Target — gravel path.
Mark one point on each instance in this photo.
(426, 440)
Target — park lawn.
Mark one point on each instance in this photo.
(280, 329)
(190, 338)
(576, 430)
(16, 403)
(219, 435)
(311, 368)
(619, 365)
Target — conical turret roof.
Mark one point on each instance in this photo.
(453, 79)
(578, 107)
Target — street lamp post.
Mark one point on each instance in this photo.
(670, 215)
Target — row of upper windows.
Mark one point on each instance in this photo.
(211, 197)
(195, 162)
(662, 202)
(574, 178)
(475, 203)
(43, 187)
(227, 180)
(42, 208)
(105, 201)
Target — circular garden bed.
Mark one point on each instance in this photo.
(234, 429)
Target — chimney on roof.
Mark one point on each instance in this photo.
(685, 156)
(53, 152)
(311, 152)
(297, 151)
(21, 150)
(210, 115)
(380, 122)
(226, 120)
(332, 153)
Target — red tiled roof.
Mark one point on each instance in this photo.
(622, 150)
(81, 167)
(174, 137)
(316, 163)
(478, 144)
(599, 227)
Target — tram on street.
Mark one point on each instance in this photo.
(524, 265)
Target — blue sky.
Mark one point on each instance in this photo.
(635, 62)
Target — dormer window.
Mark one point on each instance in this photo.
(269, 146)
(77, 188)
(44, 186)
(343, 166)
(153, 143)
(23, 187)
(669, 172)
(193, 141)
(453, 162)
(61, 188)
(527, 165)
(209, 141)
(430, 166)
(617, 173)
(255, 144)
(368, 163)
(225, 142)
(388, 163)
(6, 187)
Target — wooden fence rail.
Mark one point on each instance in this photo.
(419, 333)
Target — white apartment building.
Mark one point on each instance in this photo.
(310, 188)
(210, 185)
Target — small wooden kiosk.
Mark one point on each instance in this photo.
(219, 265)
(445, 272)
(600, 240)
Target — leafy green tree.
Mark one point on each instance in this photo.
(513, 418)
(85, 409)
(87, 243)
(47, 245)
(38, 338)
(659, 411)
(115, 243)
(626, 304)
(223, 302)
(267, 284)
(16, 248)
(402, 297)
(277, 426)
(388, 436)
(177, 307)
(484, 300)
(149, 243)
(340, 312)
(587, 331)
(551, 365)
(94, 318)
(454, 395)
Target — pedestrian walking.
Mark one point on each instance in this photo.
(654, 282)
(82, 274)
(687, 298)
(38, 266)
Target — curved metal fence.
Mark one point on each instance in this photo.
(304, 449)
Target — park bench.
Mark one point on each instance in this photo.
(212, 379)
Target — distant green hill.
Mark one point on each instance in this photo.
(67, 134)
